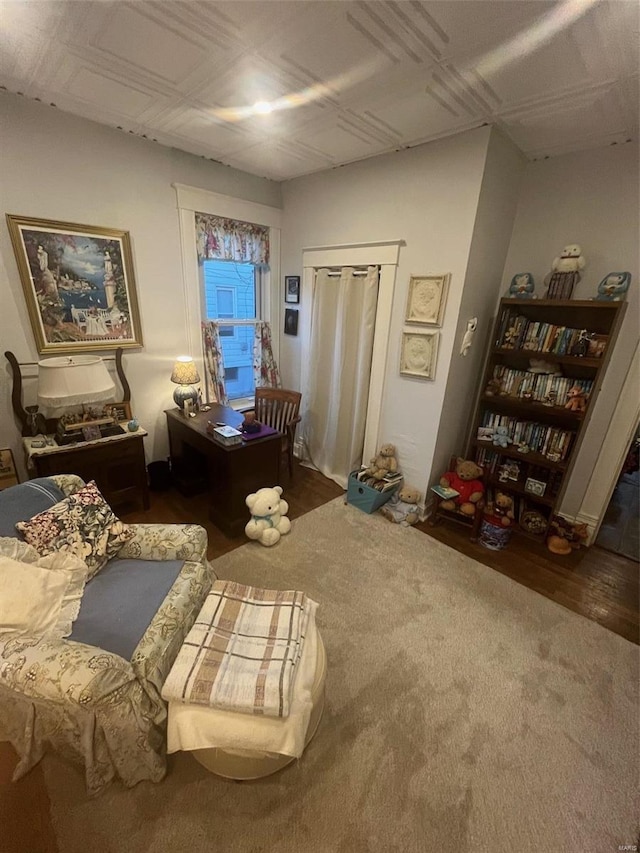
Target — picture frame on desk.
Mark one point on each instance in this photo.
(119, 411)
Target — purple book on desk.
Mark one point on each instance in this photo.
(263, 433)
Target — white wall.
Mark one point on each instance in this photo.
(501, 181)
(56, 166)
(426, 196)
(591, 198)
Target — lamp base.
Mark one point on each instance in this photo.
(184, 392)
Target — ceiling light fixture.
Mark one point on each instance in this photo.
(263, 108)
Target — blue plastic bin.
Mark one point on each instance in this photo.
(364, 497)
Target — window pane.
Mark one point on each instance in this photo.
(230, 293)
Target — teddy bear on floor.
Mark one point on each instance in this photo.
(384, 463)
(268, 516)
(465, 481)
(403, 507)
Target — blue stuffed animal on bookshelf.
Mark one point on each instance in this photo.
(613, 287)
(522, 286)
(501, 437)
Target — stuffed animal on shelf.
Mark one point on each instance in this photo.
(565, 272)
(501, 436)
(268, 516)
(494, 388)
(384, 463)
(576, 399)
(565, 536)
(501, 508)
(403, 507)
(465, 481)
(613, 287)
(522, 286)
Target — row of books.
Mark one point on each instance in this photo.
(518, 332)
(540, 387)
(551, 442)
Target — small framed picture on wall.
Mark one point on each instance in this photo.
(290, 321)
(292, 289)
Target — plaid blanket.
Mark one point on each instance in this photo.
(243, 649)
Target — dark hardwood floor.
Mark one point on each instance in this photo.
(307, 490)
(592, 582)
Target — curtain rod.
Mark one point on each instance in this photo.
(339, 272)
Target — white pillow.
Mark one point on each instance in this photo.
(41, 596)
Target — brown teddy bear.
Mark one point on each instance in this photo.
(465, 481)
(576, 400)
(403, 507)
(384, 463)
(501, 508)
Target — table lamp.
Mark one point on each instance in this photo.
(185, 375)
(69, 381)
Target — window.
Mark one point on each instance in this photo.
(232, 292)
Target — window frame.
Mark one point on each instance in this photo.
(191, 199)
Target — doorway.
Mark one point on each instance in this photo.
(620, 528)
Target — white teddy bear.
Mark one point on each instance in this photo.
(268, 516)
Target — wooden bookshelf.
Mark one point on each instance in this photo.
(521, 328)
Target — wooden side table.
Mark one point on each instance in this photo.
(116, 463)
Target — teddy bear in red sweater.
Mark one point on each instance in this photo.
(465, 481)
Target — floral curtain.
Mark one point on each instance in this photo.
(214, 363)
(231, 240)
(265, 368)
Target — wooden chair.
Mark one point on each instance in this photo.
(280, 409)
(473, 522)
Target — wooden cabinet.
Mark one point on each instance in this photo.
(118, 467)
(533, 461)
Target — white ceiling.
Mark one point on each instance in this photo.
(356, 78)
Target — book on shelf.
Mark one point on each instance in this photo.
(550, 441)
(445, 492)
(517, 332)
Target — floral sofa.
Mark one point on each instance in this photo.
(99, 707)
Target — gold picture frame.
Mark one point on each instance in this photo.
(78, 283)
(121, 412)
(427, 299)
(419, 354)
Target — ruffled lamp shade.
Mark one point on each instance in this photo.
(185, 375)
(69, 381)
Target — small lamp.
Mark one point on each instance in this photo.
(185, 375)
(70, 381)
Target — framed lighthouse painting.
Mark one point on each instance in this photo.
(78, 283)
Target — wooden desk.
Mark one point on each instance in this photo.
(116, 464)
(232, 472)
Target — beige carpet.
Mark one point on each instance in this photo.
(464, 713)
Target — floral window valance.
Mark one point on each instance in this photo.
(231, 240)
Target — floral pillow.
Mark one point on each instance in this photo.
(82, 524)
